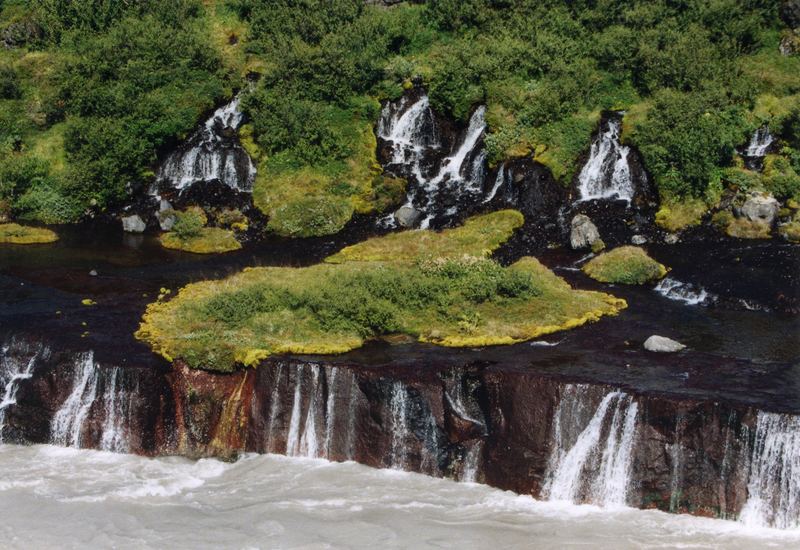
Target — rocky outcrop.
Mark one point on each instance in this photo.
(133, 224)
(407, 216)
(515, 429)
(662, 344)
(583, 233)
(761, 208)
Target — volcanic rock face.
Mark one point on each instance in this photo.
(513, 429)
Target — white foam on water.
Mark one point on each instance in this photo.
(92, 498)
(678, 291)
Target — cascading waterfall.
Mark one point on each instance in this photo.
(607, 173)
(293, 439)
(398, 406)
(760, 143)
(774, 481)
(274, 409)
(117, 413)
(211, 154)
(471, 467)
(596, 467)
(674, 289)
(13, 370)
(676, 465)
(67, 424)
(413, 134)
(309, 441)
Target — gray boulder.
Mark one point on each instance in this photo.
(583, 232)
(672, 238)
(133, 224)
(662, 344)
(407, 216)
(638, 239)
(761, 208)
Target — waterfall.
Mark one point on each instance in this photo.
(503, 179)
(211, 154)
(330, 412)
(471, 466)
(774, 483)
(398, 406)
(308, 441)
(13, 371)
(274, 409)
(67, 424)
(596, 467)
(415, 140)
(676, 465)
(607, 174)
(293, 439)
(683, 292)
(455, 398)
(759, 143)
(117, 414)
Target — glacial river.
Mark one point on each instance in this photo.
(53, 497)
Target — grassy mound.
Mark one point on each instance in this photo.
(446, 293)
(629, 265)
(208, 240)
(741, 228)
(19, 234)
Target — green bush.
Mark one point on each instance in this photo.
(189, 223)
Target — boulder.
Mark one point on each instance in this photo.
(133, 224)
(672, 238)
(407, 216)
(583, 232)
(662, 344)
(638, 239)
(761, 208)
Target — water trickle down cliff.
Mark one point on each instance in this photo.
(607, 172)
(757, 149)
(17, 361)
(517, 430)
(446, 170)
(212, 154)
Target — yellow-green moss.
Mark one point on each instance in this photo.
(479, 236)
(334, 307)
(677, 215)
(13, 233)
(210, 240)
(628, 265)
(790, 231)
(742, 228)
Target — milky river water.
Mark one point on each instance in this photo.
(52, 497)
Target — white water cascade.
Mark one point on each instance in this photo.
(117, 414)
(679, 291)
(607, 173)
(398, 405)
(759, 143)
(774, 481)
(470, 470)
(414, 135)
(13, 370)
(211, 154)
(67, 425)
(594, 466)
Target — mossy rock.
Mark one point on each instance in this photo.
(679, 215)
(741, 228)
(13, 233)
(790, 231)
(209, 240)
(459, 298)
(629, 265)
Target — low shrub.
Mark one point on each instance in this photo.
(629, 265)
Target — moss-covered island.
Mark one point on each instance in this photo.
(437, 287)
(13, 233)
(629, 265)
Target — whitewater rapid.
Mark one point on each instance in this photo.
(53, 497)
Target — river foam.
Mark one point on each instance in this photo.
(56, 497)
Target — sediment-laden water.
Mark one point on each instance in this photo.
(53, 497)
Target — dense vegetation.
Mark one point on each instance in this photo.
(450, 294)
(94, 89)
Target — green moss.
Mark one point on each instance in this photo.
(455, 300)
(13, 233)
(790, 231)
(207, 240)
(676, 215)
(479, 237)
(742, 228)
(628, 265)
